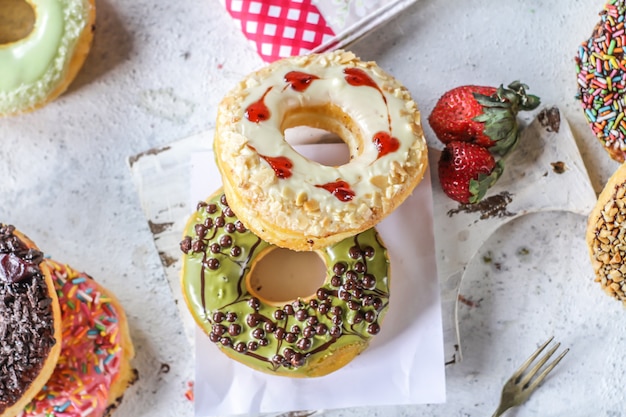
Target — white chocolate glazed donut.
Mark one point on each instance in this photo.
(291, 201)
(38, 68)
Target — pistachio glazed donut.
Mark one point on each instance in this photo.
(307, 205)
(38, 68)
(306, 337)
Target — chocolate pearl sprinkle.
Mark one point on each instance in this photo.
(264, 342)
(241, 347)
(353, 305)
(297, 360)
(231, 317)
(335, 331)
(235, 251)
(213, 264)
(252, 320)
(234, 329)
(215, 248)
(355, 252)
(369, 252)
(220, 221)
(218, 329)
(200, 230)
(226, 341)
(339, 268)
(270, 326)
(360, 267)
(321, 329)
(369, 281)
(351, 275)
(301, 315)
(335, 281)
(240, 227)
(219, 317)
(223, 200)
(230, 228)
(198, 246)
(304, 344)
(308, 331)
(211, 208)
(254, 303)
(288, 309)
(200, 205)
(208, 222)
(185, 244)
(370, 316)
(252, 346)
(291, 338)
(226, 241)
(288, 353)
(229, 212)
(258, 333)
(295, 329)
(213, 337)
(322, 294)
(279, 314)
(280, 333)
(373, 328)
(313, 303)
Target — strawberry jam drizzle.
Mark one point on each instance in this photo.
(385, 143)
(280, 164)
(299, 81)
(258, 111)
(339, 189)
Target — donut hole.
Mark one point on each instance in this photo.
(322, 124)
(17, 20)
(281, 275)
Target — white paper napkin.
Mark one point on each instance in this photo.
(404, 363)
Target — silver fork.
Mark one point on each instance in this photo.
(519, 387)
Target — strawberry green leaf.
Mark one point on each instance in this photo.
(478, 187)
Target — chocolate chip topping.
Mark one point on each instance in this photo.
(26, 319)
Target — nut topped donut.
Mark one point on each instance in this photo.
(39, 67)
(306, 337)
(296, 203)
(606, 236)
(30, 324)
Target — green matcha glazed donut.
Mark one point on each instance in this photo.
(38, 68)
(307, 337)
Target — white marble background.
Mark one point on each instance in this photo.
(155, 74)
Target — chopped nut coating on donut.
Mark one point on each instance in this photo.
(371, 112)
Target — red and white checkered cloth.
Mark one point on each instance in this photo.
(280, 28)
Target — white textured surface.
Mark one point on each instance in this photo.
(155, 74)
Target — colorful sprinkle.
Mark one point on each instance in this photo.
(90, 351)
(601, 77)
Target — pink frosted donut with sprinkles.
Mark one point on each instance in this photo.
(601, 71)
(294, 202)
(94, 368)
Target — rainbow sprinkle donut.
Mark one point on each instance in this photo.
(93, 369)
(38, 68)
(306, 337)
(601, 70)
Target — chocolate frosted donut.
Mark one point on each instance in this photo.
(29, 321)
(306, 337)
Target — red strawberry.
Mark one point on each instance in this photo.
(483, 115)
(467, 171)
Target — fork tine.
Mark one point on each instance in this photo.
(518, 374)
(546, 371)
(535, 369)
